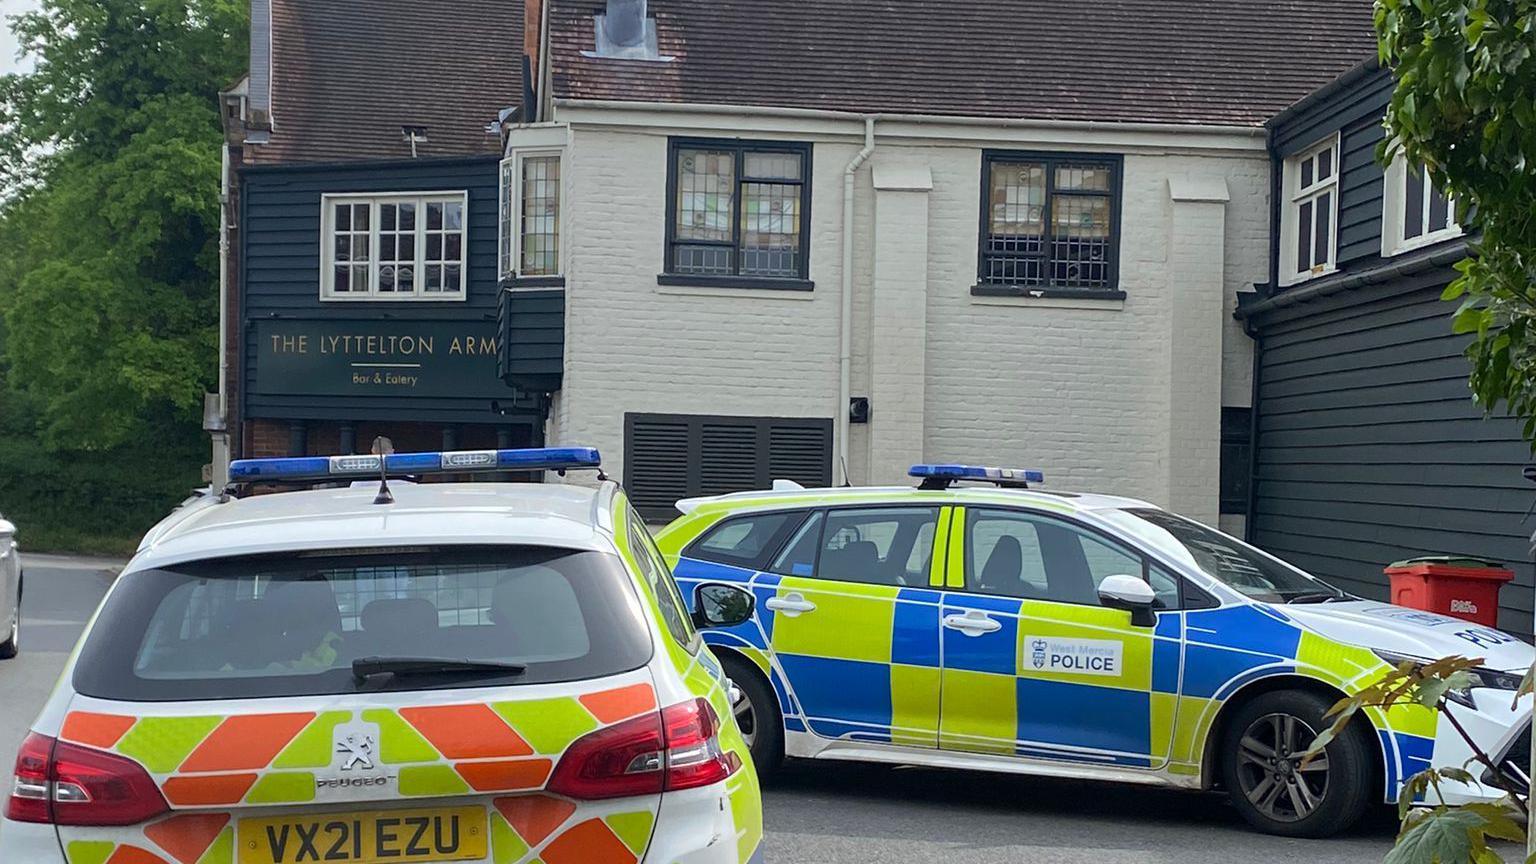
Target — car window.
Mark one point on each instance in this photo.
(291, 625)
(744, 540)
(1223, 558)
(799, 555)
(879, 546)
(1015, 554)
(656, 574)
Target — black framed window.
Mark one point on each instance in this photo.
(738, 211)
(1049, 222)
(668, 457)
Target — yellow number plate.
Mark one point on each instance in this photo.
(435, 834)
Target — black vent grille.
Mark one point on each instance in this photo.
(672, 456)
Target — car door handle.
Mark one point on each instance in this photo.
(790, 604)
(972, 623)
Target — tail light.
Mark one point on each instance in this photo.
(63, 784)
(676, 749)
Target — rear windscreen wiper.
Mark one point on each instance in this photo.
(367, 667)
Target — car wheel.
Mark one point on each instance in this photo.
(1264, 775)
(9, 647)
(757, 713)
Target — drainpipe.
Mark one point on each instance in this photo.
(845, 330)
(221, 438)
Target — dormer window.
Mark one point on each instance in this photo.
(1309, 223)
(1415, 213)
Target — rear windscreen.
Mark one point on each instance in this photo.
(291, 625)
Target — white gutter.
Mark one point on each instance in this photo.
(845, 323)
(916, 119)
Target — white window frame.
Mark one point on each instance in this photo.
(509, 230)
(1294, 196)
(1394, 213)
(328, 204)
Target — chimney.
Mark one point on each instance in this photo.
(260, 97)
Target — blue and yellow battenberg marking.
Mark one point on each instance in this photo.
(891, 672)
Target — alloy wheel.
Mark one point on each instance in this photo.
(1271, 772)
(746, 718)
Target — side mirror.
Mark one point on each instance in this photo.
(6, 528)
(716, 604)
(1133, 594)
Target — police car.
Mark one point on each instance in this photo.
(1089, 636)
(484, 671)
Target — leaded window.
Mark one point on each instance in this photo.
(1050, 221)
(541, 216)
(396, 247)
(738, 209)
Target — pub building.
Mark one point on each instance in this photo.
(360, 271)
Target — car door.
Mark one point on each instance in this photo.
(1033, 664)
(855, 627)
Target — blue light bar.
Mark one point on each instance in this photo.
(951, 473)
(412, 464)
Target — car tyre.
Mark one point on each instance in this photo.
(1262, 771)
(12, 645)
(757, 712)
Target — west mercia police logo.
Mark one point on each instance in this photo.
(1038, 653)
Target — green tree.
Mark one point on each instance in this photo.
(109, 177)
(1465, 106)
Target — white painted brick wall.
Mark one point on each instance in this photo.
(1082, 392)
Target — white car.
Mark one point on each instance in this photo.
(10, 591)
(486, 671)
(1084, 636)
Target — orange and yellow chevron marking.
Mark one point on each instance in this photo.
(590, 842)
(246, 742)
(611, 706)
(467, 731)
(134, 855)
(95, 730)
(187, 837)
(505, 776)
(207, 790)
(534, 817)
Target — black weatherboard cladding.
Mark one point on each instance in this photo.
(1369, 448)
(531, 353)
(281, 257)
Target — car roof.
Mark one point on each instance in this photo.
(554, 514)
(786, 497)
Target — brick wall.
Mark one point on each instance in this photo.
(267, 438)
(1082, 389)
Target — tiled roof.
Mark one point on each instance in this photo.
(348, 74)
(1169, 61)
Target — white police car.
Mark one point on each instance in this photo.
(10, 591)
(486, 671)
(1089, 636)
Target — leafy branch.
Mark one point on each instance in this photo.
(1439, 833)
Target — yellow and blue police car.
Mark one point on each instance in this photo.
(1011, 629)
(456, 671)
